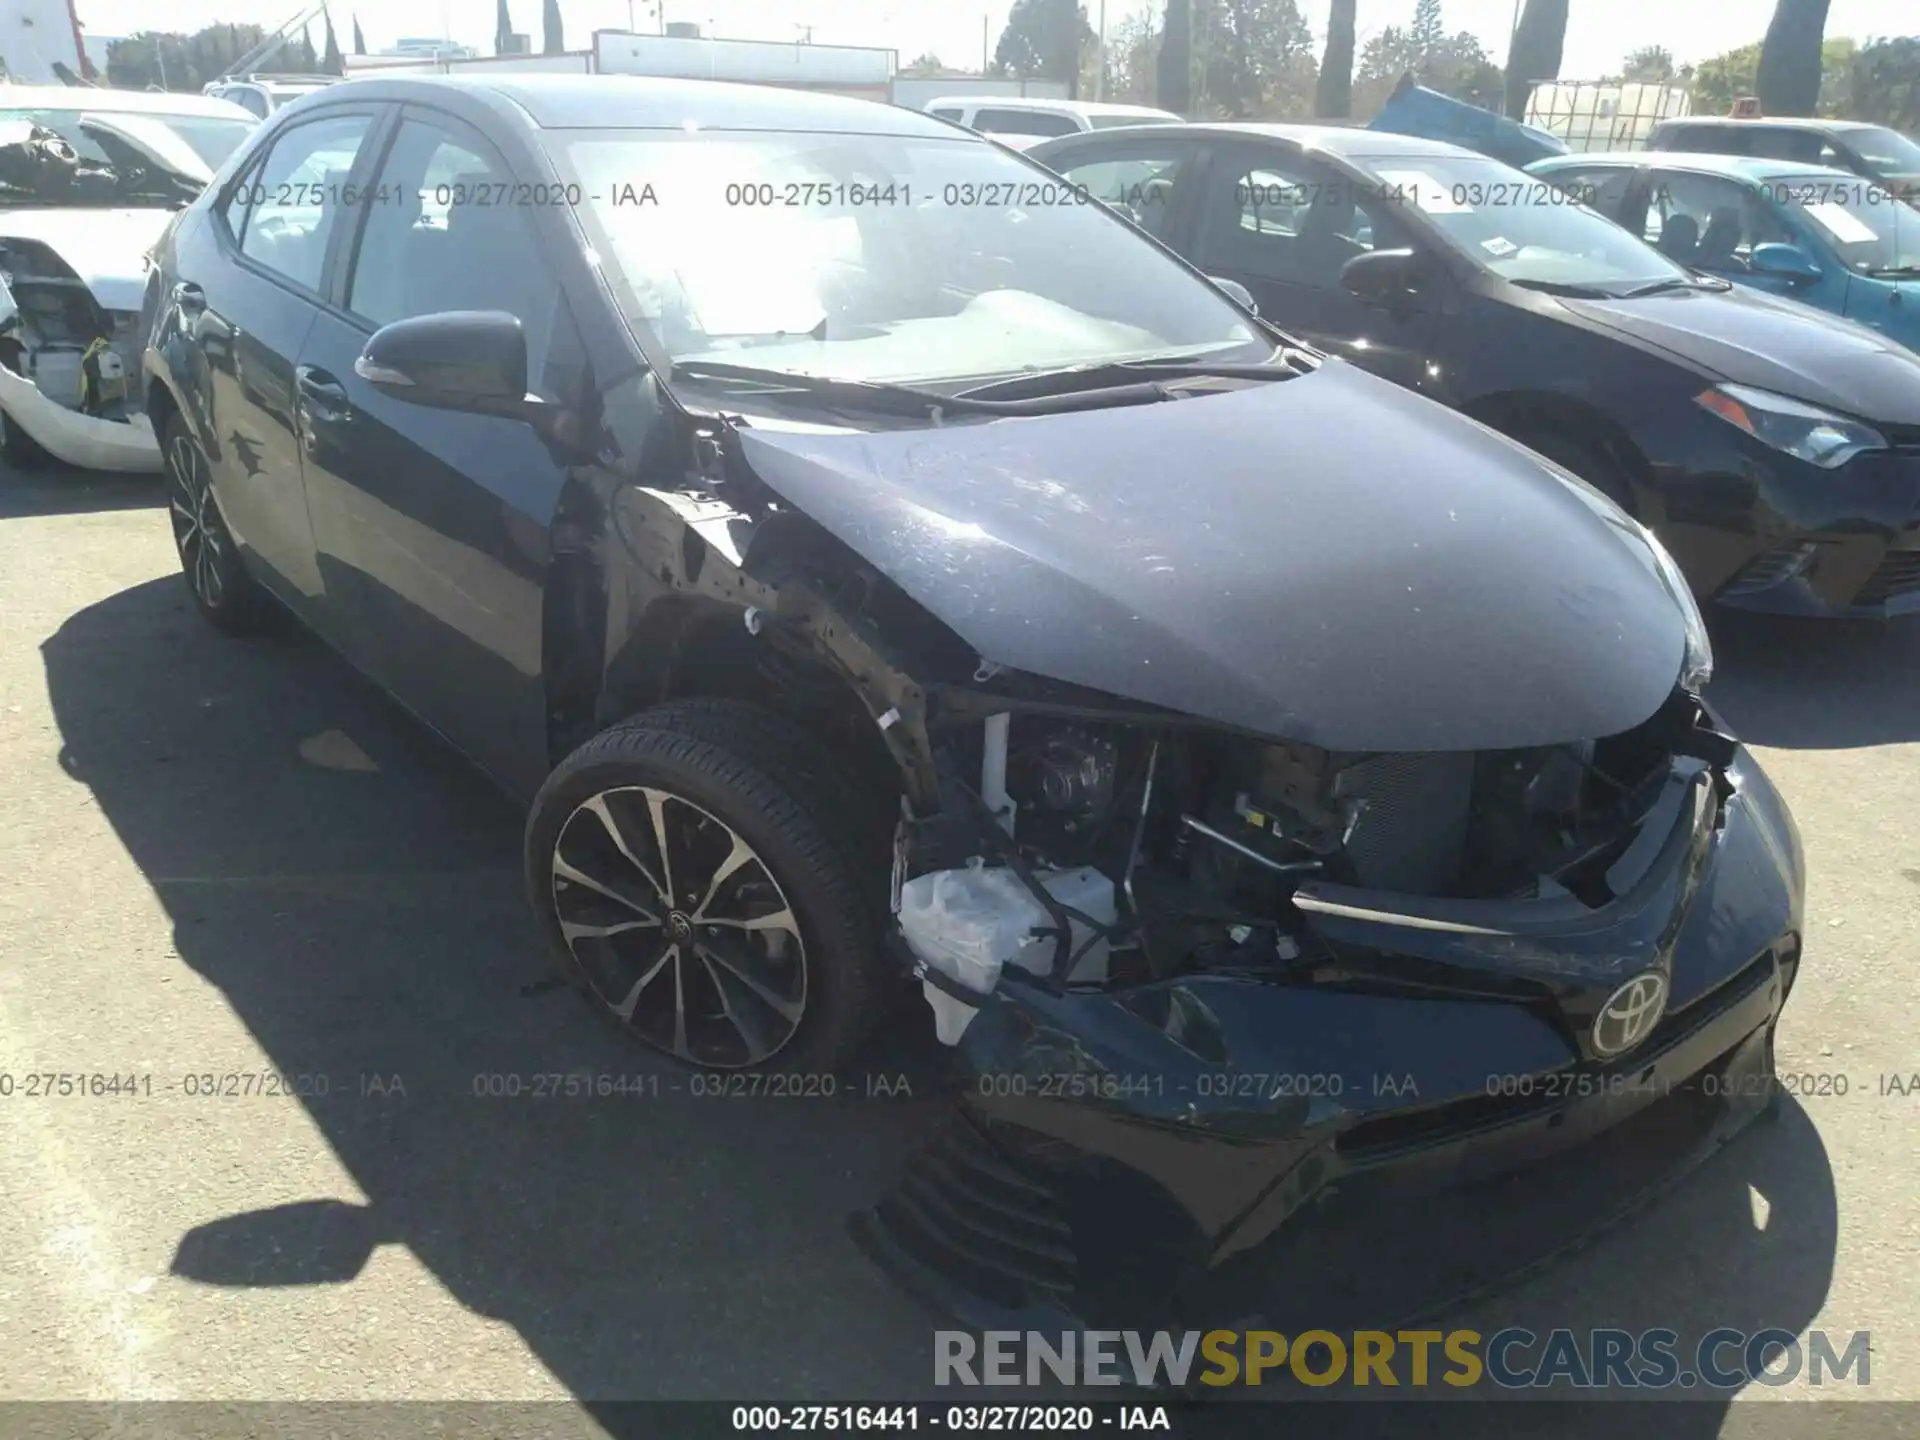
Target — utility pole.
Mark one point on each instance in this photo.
(1100, 84)
(983, 44)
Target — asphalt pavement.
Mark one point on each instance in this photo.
(331, 1160)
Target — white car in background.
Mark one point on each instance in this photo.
(88, 180)
(1020, 120)
(261, 95)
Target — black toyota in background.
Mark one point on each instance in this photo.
(798, 562)
(1773, 448)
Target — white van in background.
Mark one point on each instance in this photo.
(1020, 121)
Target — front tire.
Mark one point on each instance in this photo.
(228, 597)
(694, 890)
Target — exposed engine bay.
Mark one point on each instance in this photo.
(1117, 853)
(54, 332)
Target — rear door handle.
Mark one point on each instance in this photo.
(325, 398)
(189, 297)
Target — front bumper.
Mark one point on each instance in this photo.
(1771, 534)
(86, 441)
(1219, 1150)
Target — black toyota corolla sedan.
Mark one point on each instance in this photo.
(877, 563)
(1775, 449)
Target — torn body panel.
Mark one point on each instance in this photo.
(1188, 1134)
(69, 344)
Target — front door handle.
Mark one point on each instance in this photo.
(326, 397)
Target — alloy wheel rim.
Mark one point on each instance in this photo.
(680, 927)
(197, 530)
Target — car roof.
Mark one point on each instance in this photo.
(1056, 107)
(1346, 141)
(648, 102)
(126, 102)
(1733, 167)
(1790, 122)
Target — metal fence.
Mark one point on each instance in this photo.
(1604, 115)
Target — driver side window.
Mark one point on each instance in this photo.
(1290, 222)
(1137, 179)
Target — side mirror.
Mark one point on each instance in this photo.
(471, 360)
(1789, 262)
(1382, 277)
(1237, 293)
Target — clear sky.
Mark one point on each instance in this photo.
(1598, 35)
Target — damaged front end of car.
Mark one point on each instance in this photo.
(69, 341)
(1309, 989)
(1331, 884)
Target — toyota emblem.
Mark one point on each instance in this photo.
(1629, 1014)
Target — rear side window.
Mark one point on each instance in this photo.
(1023, 122)
(945, 112)
(1705, 140)
(288, 205)
(1802, 146)
(1137, 180)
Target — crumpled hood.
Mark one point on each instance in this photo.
(1753, 338)
(103, 247)
(1329, 559)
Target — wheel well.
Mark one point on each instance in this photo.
(702, 648)
(161, 407)
(1518, 414)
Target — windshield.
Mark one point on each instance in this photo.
(1888, 151)
(110, 157)
(881, 258)
(1865, 224)
(1523, 228)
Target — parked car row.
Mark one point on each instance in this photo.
(947, 583)
(1771, 447)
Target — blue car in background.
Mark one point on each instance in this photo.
(1824, 237)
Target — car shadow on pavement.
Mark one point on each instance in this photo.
(354, 892)
(56, 489)
(1805, 684)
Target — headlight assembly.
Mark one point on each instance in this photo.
(1696, 668)
(1803, 431)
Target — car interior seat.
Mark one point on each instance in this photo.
(1680, 239)
(1722, 238)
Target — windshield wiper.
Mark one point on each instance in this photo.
(910, 400)
(1571, 292)
(1286, 364)
(1676, 282)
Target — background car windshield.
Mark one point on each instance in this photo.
(1888, 151)
(881, 258)
(127, 157)
(1520, 227)
(1866, 226)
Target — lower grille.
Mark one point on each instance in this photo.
(1767, 570)
(1899, 574)
(967, 1212)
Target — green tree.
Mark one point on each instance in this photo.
(1428, 32)
(1131, 46)
(1253, 58)
(170, 60)
(927, 64)
(1458, 65)
(330, 59)
(1883, 83)
(1788, 80)
(1333, 93)
(359, 40)
(1650, 65)
(1538, 45)
(553, 39)
(1043, 40)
